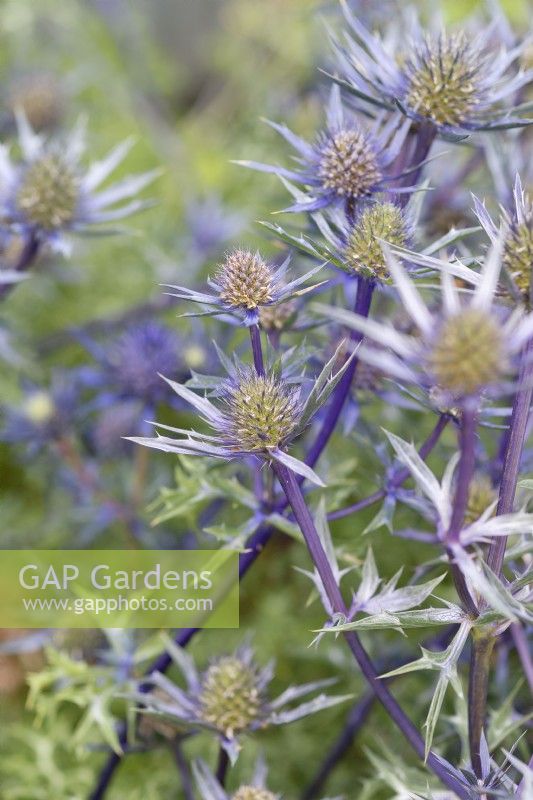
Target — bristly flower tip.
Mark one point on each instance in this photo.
(261, 412)
(245, 280)
(363, 253)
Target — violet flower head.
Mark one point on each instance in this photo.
(456, 81)
(243, 285)
(348, 162)
(49, 194)
(255, 415)
(229, 698)
(466, 349)
(136, 358)
(517, 253)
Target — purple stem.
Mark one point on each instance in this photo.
(513, 453)
(25, 260)
(398, 477)
(467, 462)
(356, 719)
(257, 350)
(524, 653)
(303, 517)
(363, 300)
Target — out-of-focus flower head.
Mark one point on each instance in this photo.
(209, 226)
(49, 193)
(40, 97)
(139, 355)
(518, 240)
(465, 349)
(257, 415)
(42, 414)
(243, 285)
(229, 698)
(347, 163)
(457, 82)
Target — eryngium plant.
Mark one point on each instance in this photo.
(419, 349)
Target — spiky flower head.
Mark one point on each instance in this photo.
(345, 164)
(363, 253)
(253, 414)
(231, 696)
(348, 164)
(48, 192)
(260, 412)
(463, 349)
(468, 353)
(253, 793)
(517, 224)
(245, 284)
(245, 280)
(481, 495)
(453, 81)
(444, 79)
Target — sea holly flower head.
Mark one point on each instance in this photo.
(517, 225)
(49, 193)
(348, 162)
(456, 82)
(243, 285)
(258, 415)
(465, 349)
(229, 698)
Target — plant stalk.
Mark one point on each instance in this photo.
(482, 646)
(513, 453)
(363, 300)
(303, 517)
(257, 350)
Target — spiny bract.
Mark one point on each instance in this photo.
(245, 280)
(364, 254)
(230, 697)
(468, 353)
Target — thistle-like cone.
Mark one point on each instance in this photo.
(245, 280)
(518, 253)
(231, 695)
(363, 254)
(468, 353)
(348, 164)
(262, 412)
(253, 793)
(49, 193)
(444, 78)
